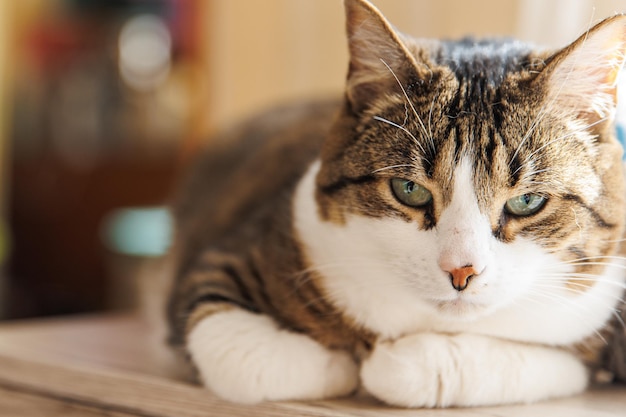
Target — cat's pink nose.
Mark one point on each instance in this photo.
(460, 277)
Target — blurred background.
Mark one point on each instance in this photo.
(103, 102)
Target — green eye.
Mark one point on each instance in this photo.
(410, 193)
(525, 204)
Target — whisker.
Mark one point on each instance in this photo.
(410, 103)
(623, 267)
(563, 137)
(571, 306)
(392, 167)
(581, 290)
(611, 257)
(404, 129)
(430, 116)
(555, 277)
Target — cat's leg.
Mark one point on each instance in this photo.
(434, 370)
(245, 357)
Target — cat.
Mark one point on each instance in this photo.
(445, 234)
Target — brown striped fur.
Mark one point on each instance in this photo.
(243, 253)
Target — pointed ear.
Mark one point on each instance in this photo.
(582, 78)
(377, 53)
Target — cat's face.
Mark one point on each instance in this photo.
(466, 177)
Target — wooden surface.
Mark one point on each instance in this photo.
(104, 366)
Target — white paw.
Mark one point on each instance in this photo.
(408, 372)
(244, 357)
(431, 370)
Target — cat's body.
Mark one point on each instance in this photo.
(445, 235)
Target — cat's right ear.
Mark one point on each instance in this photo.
(582, 78)
(378, 54)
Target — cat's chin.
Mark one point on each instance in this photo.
(463, 310)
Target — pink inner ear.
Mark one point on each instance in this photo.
(615, 61)
(583, 77)
(618, 57)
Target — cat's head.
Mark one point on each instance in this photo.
(469, 174)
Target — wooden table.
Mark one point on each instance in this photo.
(104, 366)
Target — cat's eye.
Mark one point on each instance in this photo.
(525, 204)
(410, 193)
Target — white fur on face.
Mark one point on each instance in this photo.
(386, 274)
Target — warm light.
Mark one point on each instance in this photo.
(145, 47)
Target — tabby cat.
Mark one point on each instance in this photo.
(445, 235)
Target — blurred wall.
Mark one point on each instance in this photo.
(96, 109)
(5, 44)
(4, 54)
(263, 52)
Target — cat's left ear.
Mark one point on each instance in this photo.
(582, 78)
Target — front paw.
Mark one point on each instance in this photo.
(411, 372)
(432, 370)
(247, 358)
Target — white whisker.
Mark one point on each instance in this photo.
(392, 167)
(570, 305)
(410, 103)
(402, 128)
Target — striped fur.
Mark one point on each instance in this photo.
(300, 273)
